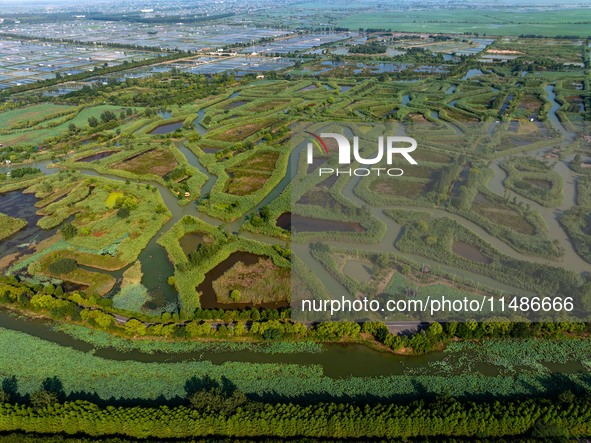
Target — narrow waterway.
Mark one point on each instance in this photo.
(194, 161)
(570, 260)
(20, 205)
(202, 130)
(156, 266)
(552, 117)
(337, 360)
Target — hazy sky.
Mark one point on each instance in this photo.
(16, 6)
(58, 3)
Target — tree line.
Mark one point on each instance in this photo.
(214, 408)
(264, 324)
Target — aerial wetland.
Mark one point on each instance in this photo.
(163, 214)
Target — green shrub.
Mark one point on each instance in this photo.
(235, 295)
(63, 266)
(69, 231)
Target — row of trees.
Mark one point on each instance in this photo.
(218, 408)
(21, 172)
(107, 116)
(162, 90)
(437, 334)
(268, 324)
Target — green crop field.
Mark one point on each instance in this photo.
(30, 113)
(43, 130)
(489, 22)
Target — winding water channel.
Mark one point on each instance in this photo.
(156, 266)
(337, 360)
(570, 259)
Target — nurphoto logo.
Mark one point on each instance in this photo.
(387, 147)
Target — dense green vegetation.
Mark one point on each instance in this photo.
(535, 180)
(190, 269)
(241, 418)
(100, 339)
(10, 225)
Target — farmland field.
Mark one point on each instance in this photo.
(159, 162)
(495, 22)
(30, 113)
